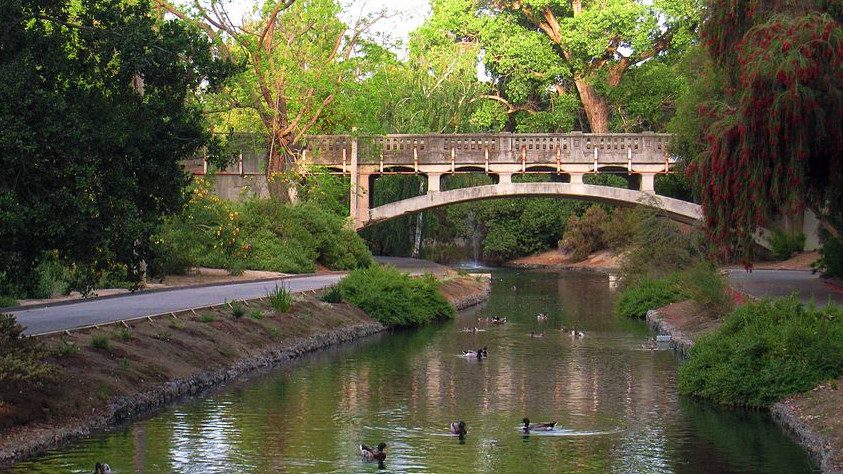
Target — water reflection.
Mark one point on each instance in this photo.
(615, 404)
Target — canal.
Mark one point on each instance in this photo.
(615, 403)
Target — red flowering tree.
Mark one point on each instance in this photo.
(771, 130)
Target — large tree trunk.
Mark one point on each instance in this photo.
(281, 172)
(596, 107)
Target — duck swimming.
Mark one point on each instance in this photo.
(373, 454)
(498, 320)
(536, 334)
(537, 426)
(102, 468)
(458, 428)
(541, 317)
(479, 353)
(577, 334)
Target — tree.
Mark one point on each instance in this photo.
(299, 56)
(767, 134)
(555, 56)
(96, 117)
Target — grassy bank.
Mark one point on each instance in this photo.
(101, 376)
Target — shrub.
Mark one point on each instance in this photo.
(704, 284)
(783, 245)
(101, 342)
(584, 235)
(52, 278)
(207, 318)
(65, 348)
(237, 309)
(124, 334)
(635, 300)
(7, 301)
(765, 351)
(332, 295)
(20, 357)
(393, 298)
(280, 299)
(830, 263)
(255, 313)
(163, 336)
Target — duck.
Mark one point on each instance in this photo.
(458, 428)
(577, 334)
(541, 317)
(537, 426)
(102, 468)
(479, 353)
(373, 454)
(536, 334)
(498, 320)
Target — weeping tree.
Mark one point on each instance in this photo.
(769, 116)
(299, 58)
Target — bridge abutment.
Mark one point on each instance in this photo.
(647, 183)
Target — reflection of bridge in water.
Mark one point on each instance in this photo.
(567, 157)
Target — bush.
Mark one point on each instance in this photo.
(280, 299)
(7, 301)
(332, 295)
(830, 263)
(393, 298)
(101, 342)
(65, 348)
(207, 318)
(584, 235)
(784, 245)
(765, 351)
(20, 357)
(704, 284)
(635, 300)
(124, 334)
(237, 309)
(255, 314)
(52, 278)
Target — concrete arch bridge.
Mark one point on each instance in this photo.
(567, 157)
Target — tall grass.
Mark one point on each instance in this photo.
(635, 300)
(765, 351)
(394, 298)
(280, 299)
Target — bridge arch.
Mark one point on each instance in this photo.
(682, 211)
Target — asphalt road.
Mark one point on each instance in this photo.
(83, 313)
(809, 287)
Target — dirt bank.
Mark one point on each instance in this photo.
(600, 262)
(116, 373)
(813, 418)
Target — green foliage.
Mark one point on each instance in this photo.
(332, 295)
(99, 161)
(280, 299)
(52, 278)
(704, 284)
(584, 235)
(635, 300)
(783, 245)
(7, 301)
(831, 258)
(101, 342)
(20, 357)
(255, 314)
(237, 309)
(163, 336)
(207, 318)
(65, 348)
(394, 298)
(259, 234)
(124, 334)
(765, 351)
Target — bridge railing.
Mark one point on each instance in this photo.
(407, 150)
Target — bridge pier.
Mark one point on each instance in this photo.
(648, 183)
(576, 178)
(504, 178)
(434, 181)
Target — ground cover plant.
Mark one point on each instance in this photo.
(764, 351)
(257, 234)
(393, 298)
(635, 300)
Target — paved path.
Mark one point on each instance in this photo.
(82, 313)
(809, 286)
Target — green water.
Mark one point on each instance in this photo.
(615, 403)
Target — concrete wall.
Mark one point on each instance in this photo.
(234, 187)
